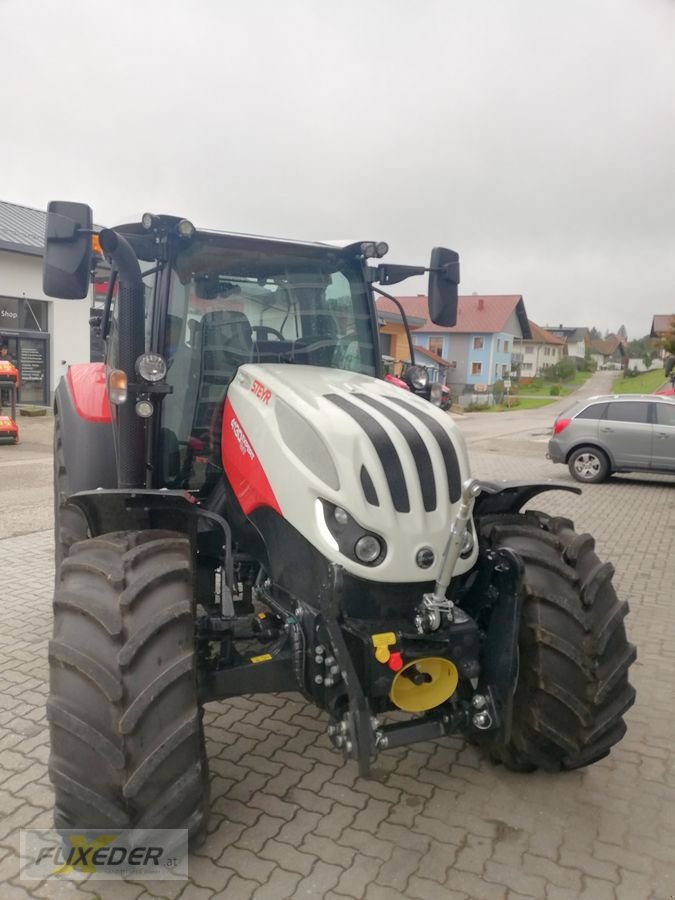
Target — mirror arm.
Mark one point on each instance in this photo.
(53, 234)
(107, 305)
(411, 346)
(394, 274)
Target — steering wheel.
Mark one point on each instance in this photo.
(265, 330)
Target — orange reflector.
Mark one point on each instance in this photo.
(117, 386)
(96, 244)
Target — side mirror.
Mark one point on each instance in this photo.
(67, 261)
(443, 281)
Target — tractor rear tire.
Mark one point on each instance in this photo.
(127, 742)
(572, 688)
(70, 524)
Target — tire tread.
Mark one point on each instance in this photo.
(127, 744)
(573, 687)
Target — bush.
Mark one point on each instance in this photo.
(555, 390)
(476, 407)
(511, 402)
(564, 370)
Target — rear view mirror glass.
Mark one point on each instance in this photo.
(443, 282)
(67, 260)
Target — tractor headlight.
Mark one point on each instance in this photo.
(367, 549)
(149, 222)
(351, 538)
(151, 367)
(341, 516)
(436, 393)
(417, 377)
(368, 249)
(144, 408)
(185, 229)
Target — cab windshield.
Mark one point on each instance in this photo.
(234, 301)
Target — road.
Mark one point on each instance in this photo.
(478, 428)
(437, 821)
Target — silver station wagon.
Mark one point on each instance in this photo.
(615, 433)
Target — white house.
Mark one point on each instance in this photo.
(540, 351)
(576, 339)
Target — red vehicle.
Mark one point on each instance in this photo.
(9, 380)
(398, 382)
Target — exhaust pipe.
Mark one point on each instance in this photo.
(131, 344)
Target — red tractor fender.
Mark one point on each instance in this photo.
(89, 391)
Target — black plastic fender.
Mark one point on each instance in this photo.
(511, 496)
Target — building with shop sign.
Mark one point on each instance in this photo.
(43, 335)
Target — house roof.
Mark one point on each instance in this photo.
(476, 314)
(609, 346)
(433, 356)
(662, 325)
(571, 333)
(395, 318)
(542, 336)
(22, 228)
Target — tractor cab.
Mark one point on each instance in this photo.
(236, 301)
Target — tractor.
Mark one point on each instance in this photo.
(244, 505)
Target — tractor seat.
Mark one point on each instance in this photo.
(226, 344)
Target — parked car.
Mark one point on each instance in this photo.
(615, 433)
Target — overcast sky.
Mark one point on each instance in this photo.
(535, 137)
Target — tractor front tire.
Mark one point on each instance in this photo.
(572, 688)
(127, 743)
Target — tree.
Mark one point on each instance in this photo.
(669, 341)
(622, 333)
(561, 371)
(595, 333)
(589, 364)
(639, 348)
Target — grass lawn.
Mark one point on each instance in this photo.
(543, 390)
(525, 403)
(646, 383)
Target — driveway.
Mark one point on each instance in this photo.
(478, 427)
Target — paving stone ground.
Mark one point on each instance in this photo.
(291, 819)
